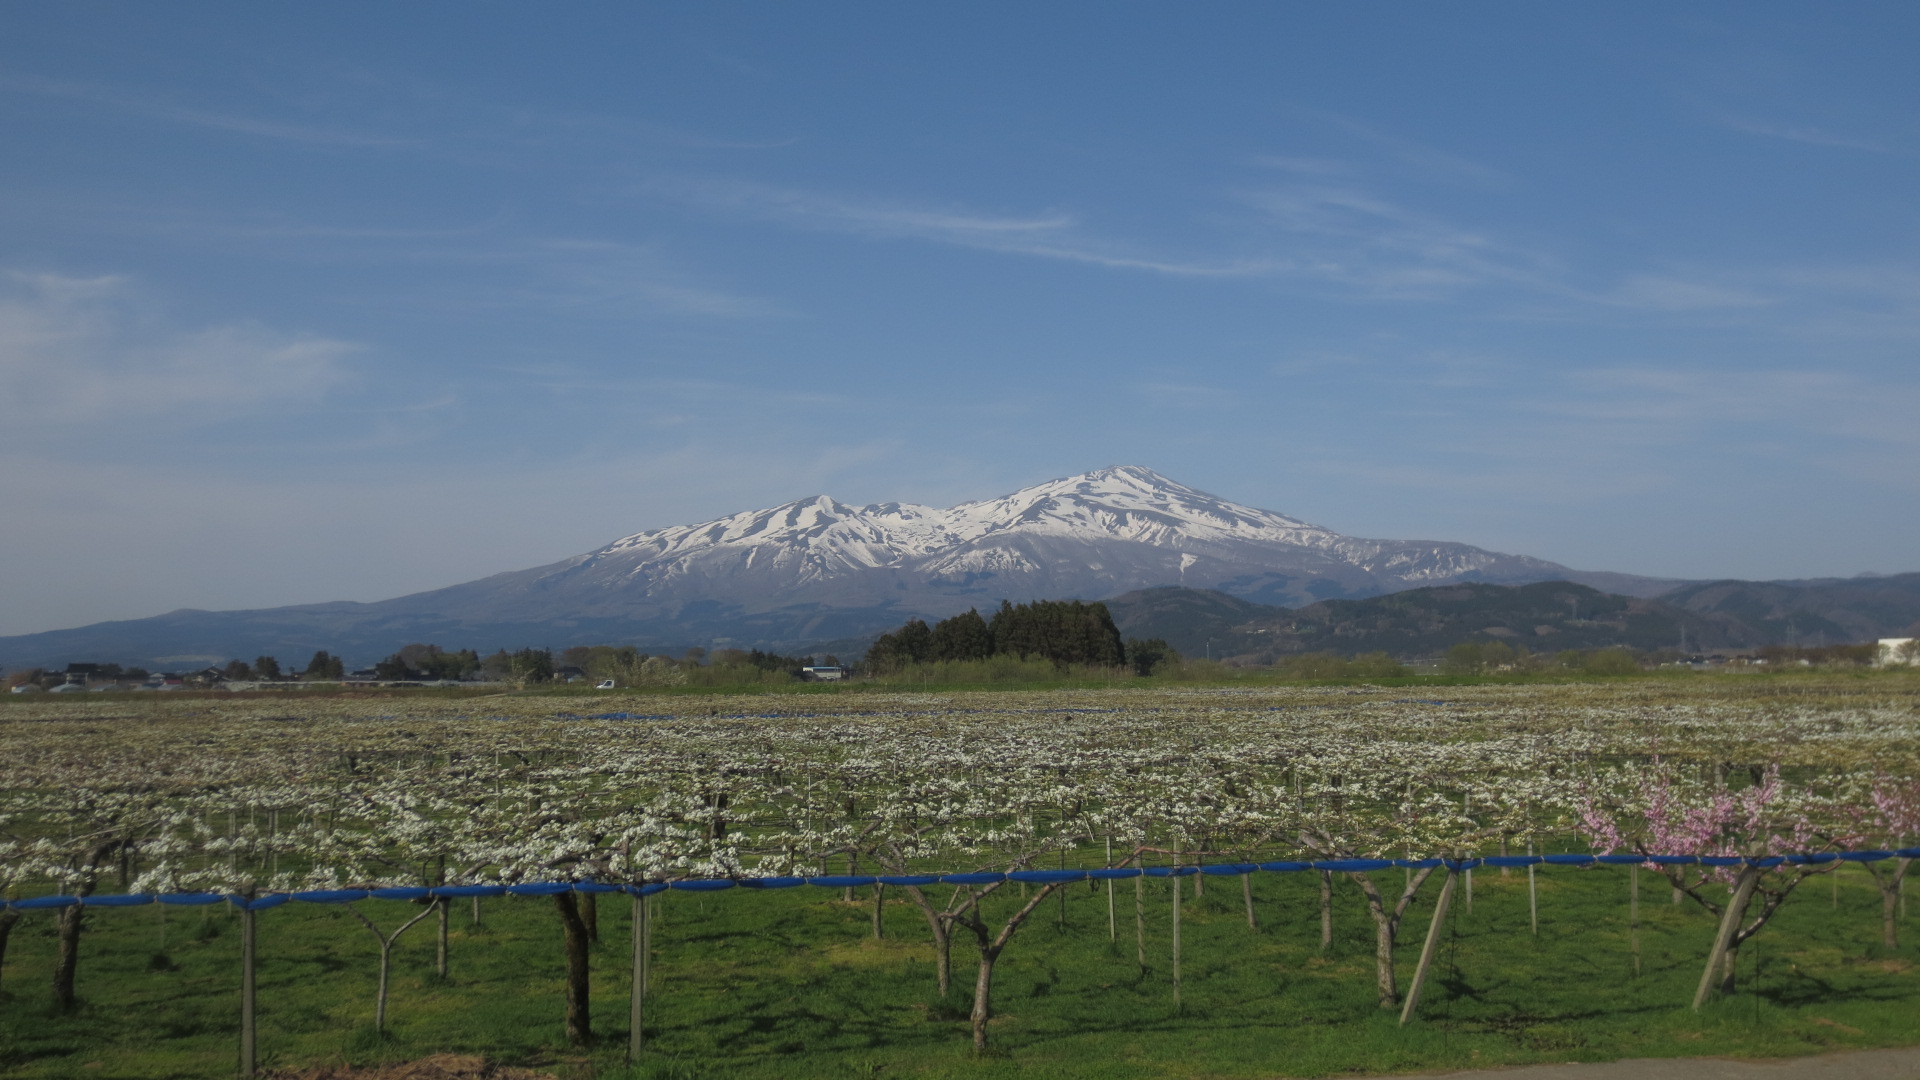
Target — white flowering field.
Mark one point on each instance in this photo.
(409, 830)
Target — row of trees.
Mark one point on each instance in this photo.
(1064, 632)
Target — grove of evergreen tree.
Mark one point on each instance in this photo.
(1061, 631)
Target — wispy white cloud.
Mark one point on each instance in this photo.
(612, 278)
(75, 349)
(1432, 162)
(1049, 235)
(1811, 136)
(172, 112)
(1343, 234)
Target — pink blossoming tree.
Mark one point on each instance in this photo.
(1656, 812)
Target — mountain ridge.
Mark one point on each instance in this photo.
(816, 569)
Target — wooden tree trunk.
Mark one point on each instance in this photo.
(1729, 926)
(942, 939)
(1383, 933)
(1893, 894)
(990, 949)
(1140, 922)
(983, 998)
(1246, 893)
(380, 995)
(441, 961)
(879, 912)
(71, 919)
(590, 915)
(574, 931)
(7, 920)
(1633, 917)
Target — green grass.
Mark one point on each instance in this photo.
(790, 983)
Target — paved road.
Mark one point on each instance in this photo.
(1898, 1064)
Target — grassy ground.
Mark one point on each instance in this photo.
(790, 983)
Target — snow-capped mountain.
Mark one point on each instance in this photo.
(1090, 536)
(817, 570)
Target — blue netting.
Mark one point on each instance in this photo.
(984, 877)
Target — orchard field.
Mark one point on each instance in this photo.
(1268, 935)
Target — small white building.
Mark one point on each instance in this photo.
(1899, 650)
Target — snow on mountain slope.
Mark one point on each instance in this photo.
(1095, 534)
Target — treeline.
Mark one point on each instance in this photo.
(1064, 633)
(1486, 657)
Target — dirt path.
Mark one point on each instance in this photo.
(1897, 1064)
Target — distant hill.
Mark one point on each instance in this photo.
(1823, 611)
(1544, 617)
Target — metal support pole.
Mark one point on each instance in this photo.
(1175, 879)
(638, 997)
(249, 1057)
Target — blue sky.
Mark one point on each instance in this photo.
(342, 301)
